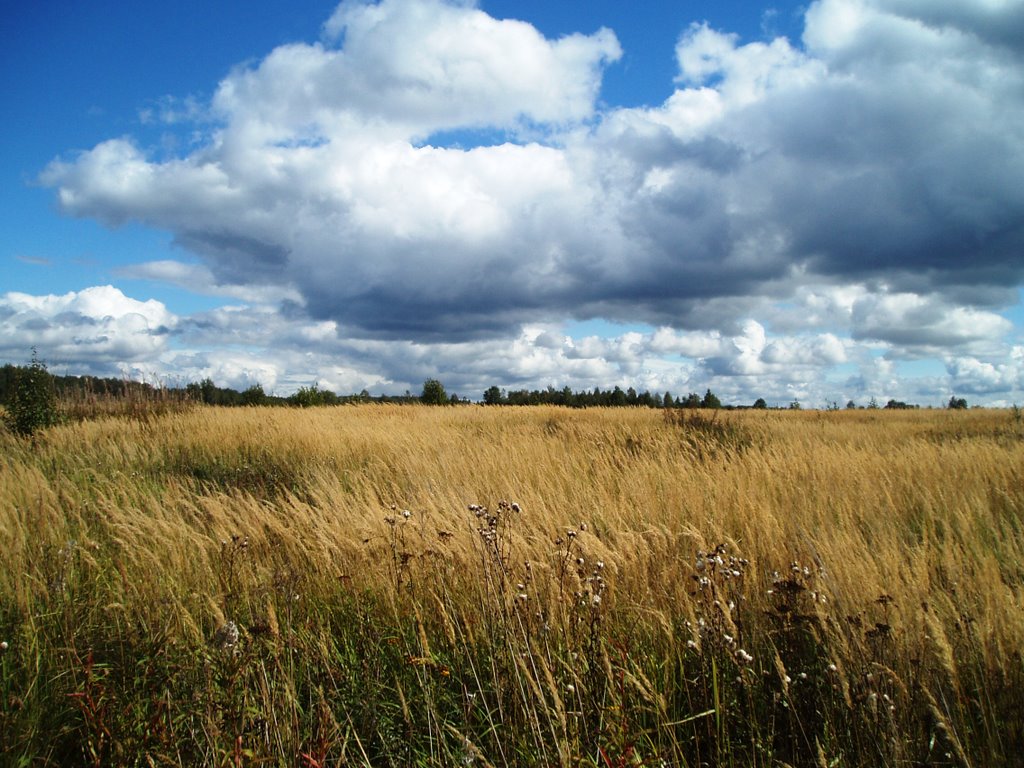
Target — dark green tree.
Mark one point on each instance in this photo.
(618, 397)
(254, 395)
(668, 401)
(692, 400)
(760, 404)
(710, 400)
(308, 397)
(33, 404)
(433, 393)
(493, 396)
(957, 403)
(896, 405)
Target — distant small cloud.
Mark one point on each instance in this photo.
(38, 261)
(170, 110)
(769, 22)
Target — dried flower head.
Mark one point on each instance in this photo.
(227, 636)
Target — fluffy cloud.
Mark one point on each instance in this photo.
(427, 175)
(94, 328)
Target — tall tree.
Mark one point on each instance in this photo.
(433, 393)
(710, 400)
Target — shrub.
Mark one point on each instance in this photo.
(33, 405)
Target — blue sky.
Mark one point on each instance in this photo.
(813, 201)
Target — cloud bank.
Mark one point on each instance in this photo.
(428, 183)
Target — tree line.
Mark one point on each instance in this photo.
(71, 388)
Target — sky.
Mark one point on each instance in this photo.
(818, 201)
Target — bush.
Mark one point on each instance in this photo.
(33, 404)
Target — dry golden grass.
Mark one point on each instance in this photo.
(922, 509)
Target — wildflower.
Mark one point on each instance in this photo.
(515, 507)
(595, 600)
(522, 597)
(571, 533)
(583, 526)
(691, 644)
(832, 668)
(599, 565)
(406, 514)
(745, 657)
(729, 639)
(4, 646)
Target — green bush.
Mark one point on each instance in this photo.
(33, 404)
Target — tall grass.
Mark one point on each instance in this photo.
(382, 585)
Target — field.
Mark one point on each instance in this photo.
(407, 585)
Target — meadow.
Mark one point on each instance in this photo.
(437, 586)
